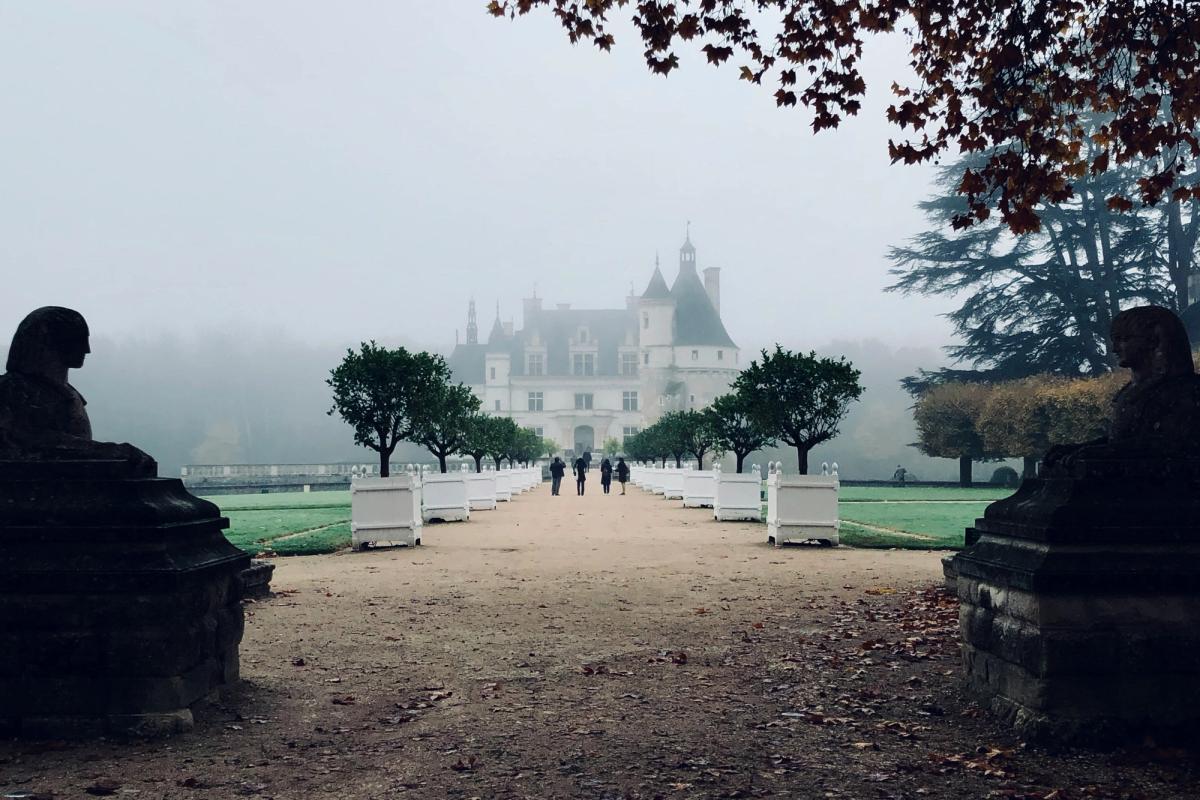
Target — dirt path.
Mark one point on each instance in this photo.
(597, 647)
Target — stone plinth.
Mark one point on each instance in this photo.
(1080, 602)
(120, 600)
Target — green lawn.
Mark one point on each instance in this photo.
(854, 494)
(314, 522)
(935, 525)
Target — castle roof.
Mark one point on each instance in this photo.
(697, 321)
(657, 288)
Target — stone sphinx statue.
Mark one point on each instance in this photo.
(42, 416)
(1080, 593)
(118, 588)
(1156, 414)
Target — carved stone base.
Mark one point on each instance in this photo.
(1080, 603)
(120, 601)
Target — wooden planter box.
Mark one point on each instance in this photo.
(802, 508)
(699, 489)
(385, 511)
(444, 497)
(481, 491)
(739, 496)
(673, 483)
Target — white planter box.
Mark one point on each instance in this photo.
(504, 487)
(673, 483)
(802, 508)
(699, 489)
(481, 491)
(444, 497)
(739, 496)
(385, 510)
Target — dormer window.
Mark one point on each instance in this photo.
(583, 335)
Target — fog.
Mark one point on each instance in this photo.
(233, 192)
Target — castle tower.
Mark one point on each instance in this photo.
(472, 325)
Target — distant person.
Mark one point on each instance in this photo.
(900, 475)
(587, 457)
(580, 470)
(622, 473)
(606, 475)
(557, 470)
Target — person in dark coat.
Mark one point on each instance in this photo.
(606, 475)
(557, 470)
(580, 470)
(622, 473)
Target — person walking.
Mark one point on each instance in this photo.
(606, 475)
(622, 473)
(581, 469)
(557, 470)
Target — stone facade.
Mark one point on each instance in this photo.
(1079, 601)
(580, 377)
(120, 600)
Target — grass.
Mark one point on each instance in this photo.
(858, 494)
(936, 525)
(314, 522)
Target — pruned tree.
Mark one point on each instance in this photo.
(379, 390)
(701, 438)
(1011, 79)
(443, 422)
(799, 399)
(736, 428)
(674, 434)
(1015, 420)
(483, 435)
(947, 418)
(503, 443)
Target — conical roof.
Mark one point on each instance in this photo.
(657, 288)
(697, 321)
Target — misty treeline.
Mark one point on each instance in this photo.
(258, 398)
(218, 398)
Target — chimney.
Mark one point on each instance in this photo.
(532, 305)
(712, 285)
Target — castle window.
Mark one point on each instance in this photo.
(629, 401)
(646, 358)
(627, 431)
(583, 335)
(536, 402)
(629, 363)
(493, 373)
(537, 364)
(645, 321)
(584, 364)
(695, 355)
(720, 355)
(540, 431)
(583, 402)
(497, 405)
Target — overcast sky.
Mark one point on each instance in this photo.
(344, 171)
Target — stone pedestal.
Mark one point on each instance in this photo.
(1080, 602)
(120, 600)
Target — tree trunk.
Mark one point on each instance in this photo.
(802, 459)
(497, 460)
(964, 472)
(1029, 467)
(385, 457)
(442, 462)
(741, 459)
(478, 463)
(678, 461)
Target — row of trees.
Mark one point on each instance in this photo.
(390, 396)
(1012, 419)
(795, 398)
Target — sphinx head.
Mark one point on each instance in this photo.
(47, 339)
(1151, 341)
